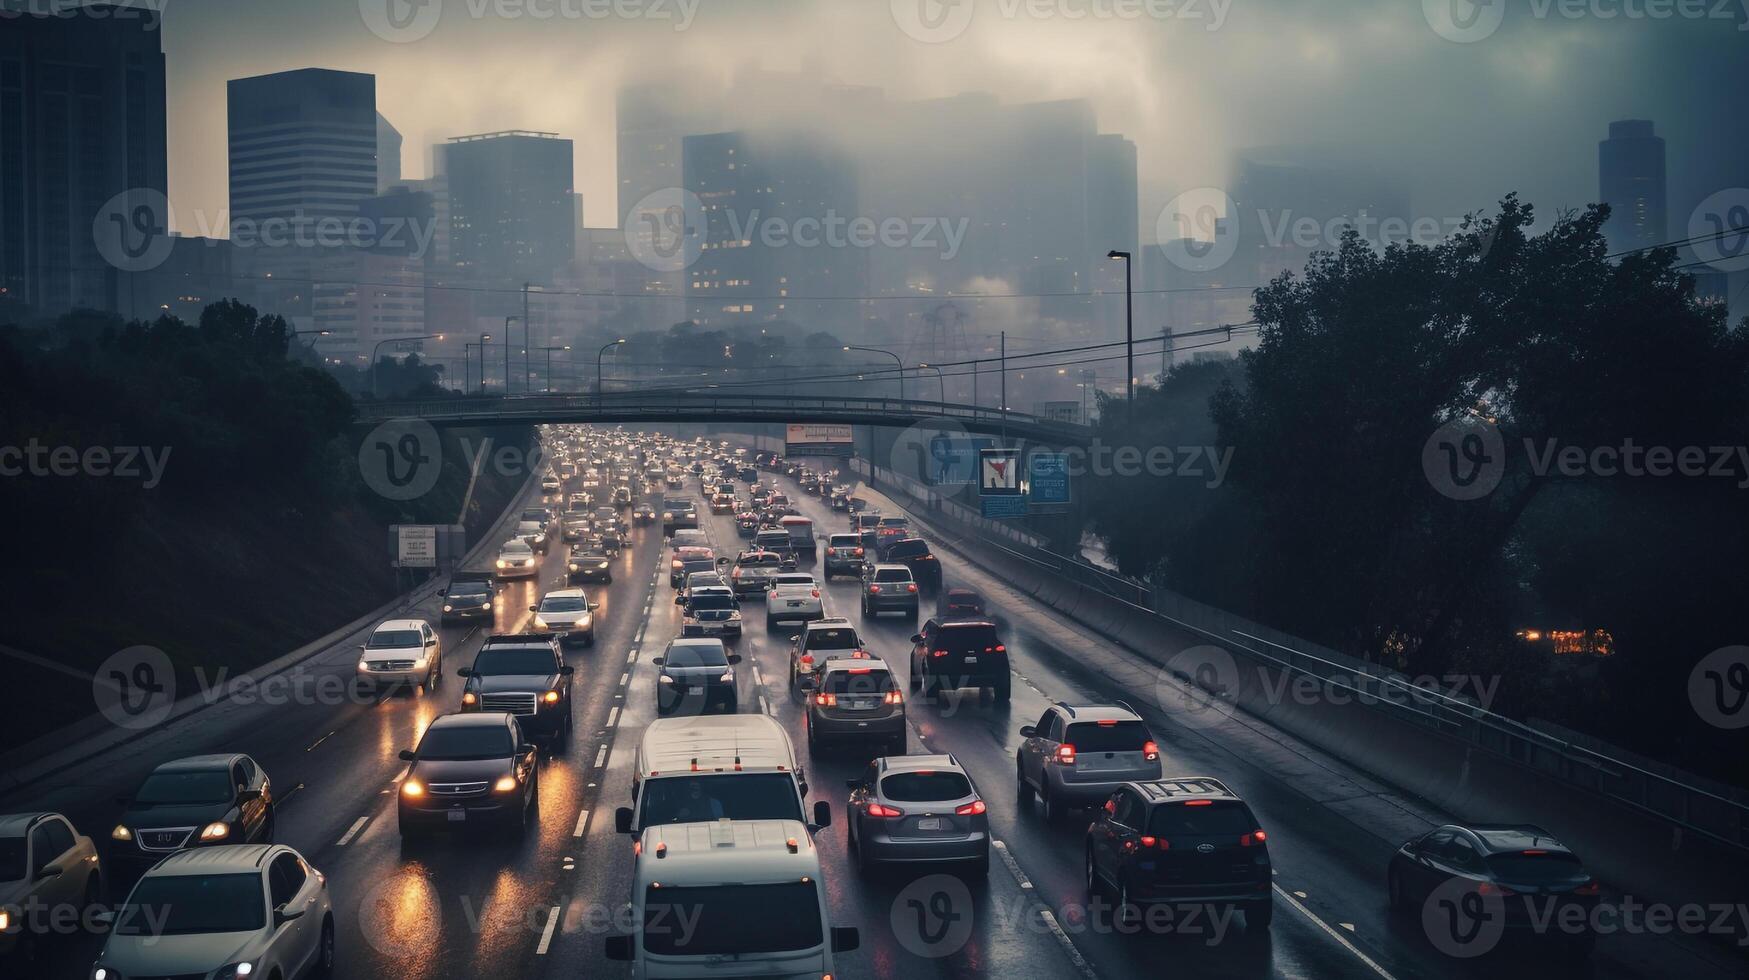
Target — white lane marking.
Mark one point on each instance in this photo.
(357, 825)
(632, 657)
(317, 742)
(757, 680)
(546, 935)
(1049, 918)
(582, 824)
(601, 756)
(625, 677)
(1333, 934)
(764, 706)
(613, 717)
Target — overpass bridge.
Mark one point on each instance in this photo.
(633, 408)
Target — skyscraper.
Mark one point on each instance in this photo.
(81, 120)
(303, 146)
(511, 218)
(388, 154)
(1630, 179)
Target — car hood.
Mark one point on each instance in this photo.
(392, 653)
(185, 815)
(563, 618)
(501, 683)
(134, 956)
(460, 770)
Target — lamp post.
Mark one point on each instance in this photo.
(376, 369)
(507, 352)
(895, 357)
(549, 368)
(1129, 335)
(485, 338)
(939, 379)
(598, 354)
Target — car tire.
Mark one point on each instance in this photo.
(1053, 805)
(324, 965)
(1124, 912)
(1091, 876)
(1004, 690)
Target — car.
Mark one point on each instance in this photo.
(606, 517)
(567, 614)
(888, 535)
(914, 553)
(793, 597)
(550, 484)
(777, 541)
(856, 701)
(917, 809)
(747, 523)
(1179, 840)
(697, 673)
(45, 866)
(475, 768)
(753, 572)
(536, 515)
(888, 588)
(200, 801)
(711, 611)
(703, 769)
(951, 654)
(840, 498)
(688, 560)
(678, 513)
(401, 653)
(468, 598)
(758, 494)
(866, 520)
(622, 497)
(580, 500)
(700, 580)
(610, 541)
(524, 675)
(534, 533)
(644, 514)
(819, 641)
(960, 603)
(574, 527)
(722, 503)
(1504, 860)
(1078, 755)
(516, 560)
(587, 564)
(801, 536)
(748, 474)
(688, 537)
(258, 910)
(844, 555)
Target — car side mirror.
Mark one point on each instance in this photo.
(916, 637)
(534, 608)
(822, 813)
(527, 748)
(282, 914)
(1028, 731)
(594, 606)
(658, 661)
(734, 658)
(361, 646)
(622, 820)
(567, 670)
(619, 948)
(680, 599)
(48, 871)
(845, 939)
(408, 755)
(464, 672)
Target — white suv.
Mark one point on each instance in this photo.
(242, 910)
(401, 652)
(793, 597)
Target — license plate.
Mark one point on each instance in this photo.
(457, 816)
(795, 603)
(971, 660)
(929, 823)
(861, 705)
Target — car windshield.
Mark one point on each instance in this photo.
(1113, 736)
(696, 655)
(908, 549)
(712, 601)
(518, 548)
(469, 590)
(926, 786)
(393, 639)
(11, 859)
(839, 639)
(1218, 818)
(892, 575)
(844, 540)
(563, 604)
(858, 680)
(761, 561)
(205, 786)
(183, 905)
(1536, 869)
(738, 796)
(795, 579)
(461, 742)
(514, 660)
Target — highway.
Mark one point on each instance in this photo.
(540, 908)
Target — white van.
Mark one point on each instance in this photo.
(740, 896)
(721, 767)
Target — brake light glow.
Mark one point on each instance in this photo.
(1252, 839)
(1066, 754)
(1150, 751)
(972, 809)
(807, 658)
(1108, 723)
(1489, 888)
(1153, 842)
(1199, 802)
(859, 552)
(912, 587)
(879, 810)
(826, 700)
(861, 670)
(1534, 853)
(1589, 888)
(816, 593)
(938, 653)
(874, 590)
(894, 697)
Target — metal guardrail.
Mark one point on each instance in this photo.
(1683, 803)
(708, 406)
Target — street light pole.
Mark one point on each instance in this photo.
(938, 379)
(599, 391)
(895, 357)
(548, 388)
(484, 339)
(1129, 332)
(506, 354)
(375, 368)
(1004, 404)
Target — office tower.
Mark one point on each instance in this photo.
(511, 218)
(388, 154)
(1630, 179)
(81, 120)
(1280, 192)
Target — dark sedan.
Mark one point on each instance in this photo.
(1505, 879)
(470, 769)
(200, 801)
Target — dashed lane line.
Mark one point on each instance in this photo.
(1330, 931)
(601, 756)
(357, 825)
(582, 824)
(613, 718)
(546, 935)
(1045, 914)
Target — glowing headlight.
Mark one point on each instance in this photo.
(412, 788)
(236, 971)
(448, 608)
(503, 564)
(664, 679)
(485, 605)
(121, 833)
(469, 698)
(363, 665)
(539, 623)
(551, 697)
(505, 784)
(572, 566)
(728, 675)
(217, 830)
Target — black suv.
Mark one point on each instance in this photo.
(523, 675)
(468, 598)
(914, 554)
(959, 653)
(1182, 840)
(200, 801)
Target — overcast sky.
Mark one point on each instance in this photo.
(1460, 122)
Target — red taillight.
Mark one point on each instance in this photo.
(1000, 648)
(1066, 754)
(816, 593)
(874, 590)
(1589, 888)
(826, 700)
(1488, 888)
(938, 653)
(894, 697)
(1150, 751)
(971, 809)
(861, 670)
(1108, 723)
(807, 658)
(859, 552)
(735, 574)
(1253, 839)
(911, 588)
(878, 810)
(1199, 802)
(1110, 806)
(1533, 853)
(1150, 841)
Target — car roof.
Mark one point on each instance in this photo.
(199, 763)
(714, 744)
(1181, 788)
(564, 594)
(1499, 838)
(692, 551)
(694, 641)
(226, 859)
(469, 719)
(16, 824)
(854, 665)
(399, 624)
(890, 567)
(1097, 712)
(915, 763)
(728, 851)
(829, 623)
